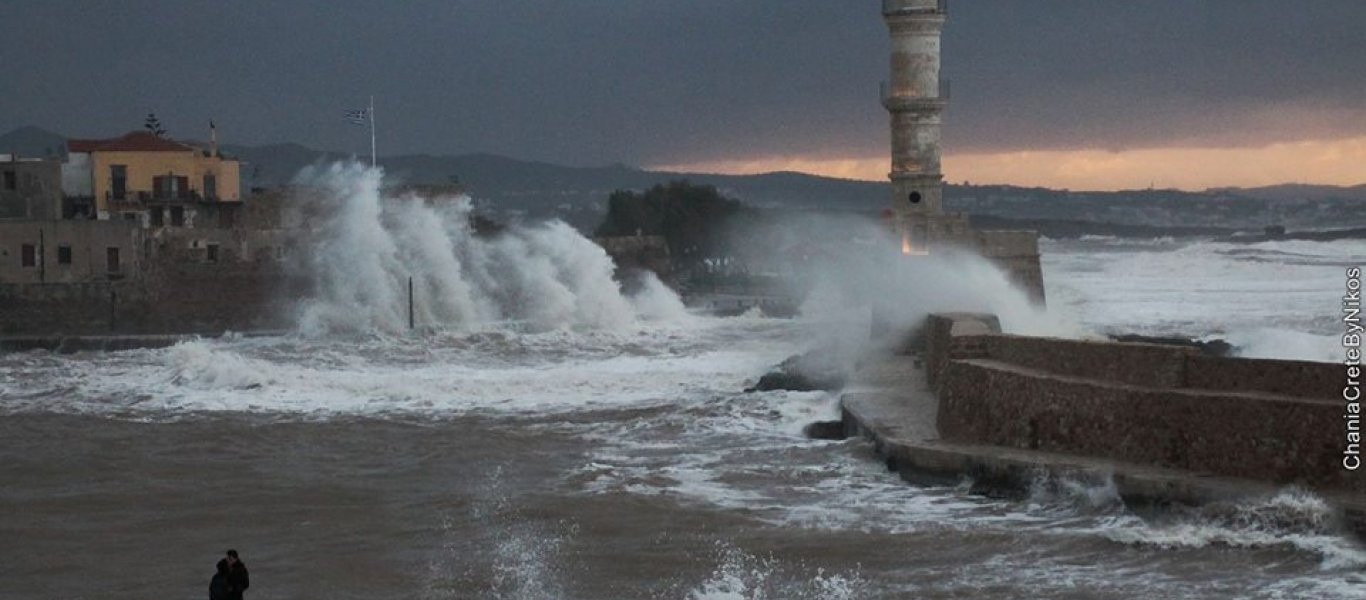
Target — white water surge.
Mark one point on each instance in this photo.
(542, 277)
(1275, 299)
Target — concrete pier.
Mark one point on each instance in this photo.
(892, 402)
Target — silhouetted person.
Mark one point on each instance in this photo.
(220, 587)
(237, 577)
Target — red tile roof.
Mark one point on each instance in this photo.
(136, 141)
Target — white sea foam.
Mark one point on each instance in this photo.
(364, 253)
(1270, 299)
(1270, 342)
(440, 374)
(1292, 518)
(743, 576)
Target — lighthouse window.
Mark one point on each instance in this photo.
(915, 197)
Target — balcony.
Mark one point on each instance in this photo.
(899, 99)
(138, 200)
(915, 7)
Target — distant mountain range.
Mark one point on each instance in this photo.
(578, 194)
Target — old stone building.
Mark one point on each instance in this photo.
(30, 188)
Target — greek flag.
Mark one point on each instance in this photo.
(358, 116)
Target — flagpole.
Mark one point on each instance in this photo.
(372, 132)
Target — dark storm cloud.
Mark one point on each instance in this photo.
(644, 81)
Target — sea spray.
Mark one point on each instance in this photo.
(740, 575)
(867, 277)
(371, 243)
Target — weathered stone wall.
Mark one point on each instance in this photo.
(183, 304)
(1277, 421)
(1289, 377)
(168, 279)
(86, 244)
(70, 308)
(1136, 364)
(1016, 253)
(30, 189)
(957, 335)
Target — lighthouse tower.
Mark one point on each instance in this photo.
(916, 99)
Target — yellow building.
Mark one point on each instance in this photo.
(144, 174)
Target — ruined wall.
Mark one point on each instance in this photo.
(1163, 406)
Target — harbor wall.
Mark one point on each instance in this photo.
(1164, 406)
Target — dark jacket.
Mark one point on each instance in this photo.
(237, 578)
(219, 587)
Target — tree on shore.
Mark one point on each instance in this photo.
(696, 221)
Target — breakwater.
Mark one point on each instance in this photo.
(1167, 423)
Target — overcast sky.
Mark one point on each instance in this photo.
(722, 84)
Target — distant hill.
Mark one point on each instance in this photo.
(1298, 191)
(575, 194)
(508, 187)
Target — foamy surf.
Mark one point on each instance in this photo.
(1269, 299)
(372, 243)
(1293, 519)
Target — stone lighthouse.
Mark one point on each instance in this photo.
(916, 99)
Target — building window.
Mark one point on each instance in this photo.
(210, 187)
(227, 216)
(10, 182)
(157, 216)
(211, 253)
(111, 259)
(118, 175)
(177, 216)
(28, 255)
(63, 255)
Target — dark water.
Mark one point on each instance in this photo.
(555, 465)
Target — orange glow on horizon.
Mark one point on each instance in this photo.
(1327, 162)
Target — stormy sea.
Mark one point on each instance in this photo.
(544, 435)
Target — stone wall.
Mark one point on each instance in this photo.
(69, 309)
(1136, 364)
(955, 335)
(30, 189)
(184, 304)
(1277, 421)
(1289, 377)
(70, 251)
(1016, 253)
(167, 280)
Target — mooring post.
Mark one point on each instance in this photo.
(410, 302)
